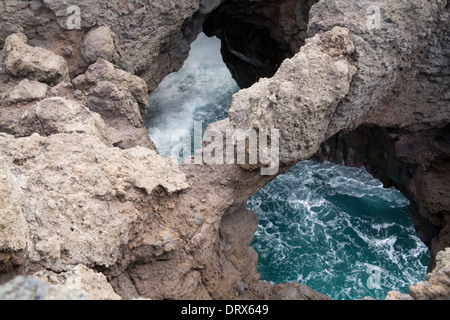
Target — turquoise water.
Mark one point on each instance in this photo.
(333, 228)
(337, 230)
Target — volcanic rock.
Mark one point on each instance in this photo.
(33, 63)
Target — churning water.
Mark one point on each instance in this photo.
(333, 228)
(339, 231)
(200, 91)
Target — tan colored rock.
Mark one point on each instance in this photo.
(62, 89)
(108, 110)
(103, 70)
(30, 288)
(60, 115)
(26, 90)
(300, 100)
(99, 44)
(387, 53)
(65, 115)
(13, 226)
(34, 63)
(81, 202)
(437, 283)
(395, 295)
(73, 200)
(94, 284)
(120, 98)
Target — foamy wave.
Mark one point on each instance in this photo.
(200, 91)
(324, 225)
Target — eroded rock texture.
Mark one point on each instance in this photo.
(404, 139)
(22, 60)
(149, 39)
(302, 96)
(83, 192)
(437, 283)
(399, 94)
(59, 226)
(119, 97)
(27, 288)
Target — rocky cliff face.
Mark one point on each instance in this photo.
(84, 194)
(148, 39)
(404, 140)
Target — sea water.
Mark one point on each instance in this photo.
(201, 91)
(333, 228)
(339, 231)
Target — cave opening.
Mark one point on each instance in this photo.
(190, 99)
(257, 37)
(232, 47)
(248, 50)
(334, 228)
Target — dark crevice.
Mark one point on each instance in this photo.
(248, 50)
(258, 36)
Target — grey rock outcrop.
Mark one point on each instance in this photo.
(26, 90)
(302, 96)
(166, 231)
(62, 219)
(27, 288)
(22, 60)
(99, 44)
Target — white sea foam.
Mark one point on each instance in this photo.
(201, 89)
(379, 226)
(330, 247)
